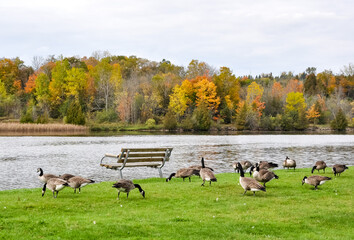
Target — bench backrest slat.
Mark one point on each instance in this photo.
(155, 159)
(147, 154)
(145, 149)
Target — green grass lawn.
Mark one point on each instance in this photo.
(184, 210)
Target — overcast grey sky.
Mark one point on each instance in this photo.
(250, 37)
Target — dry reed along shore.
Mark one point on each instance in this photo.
(41, 129)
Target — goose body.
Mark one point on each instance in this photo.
(126, 186)
(55, 185)
(289, 163)
(44, 177)
(267, 165)
(315, 180)
(318, 166)
(249, 184)
(183, 173)
(66, 176)
(78, 182)
(244, 164)
(206, 174)
(264, 175)
(198, 167)
(338, 169)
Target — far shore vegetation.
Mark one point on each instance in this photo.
(119, 93)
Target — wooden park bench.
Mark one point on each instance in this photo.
(138, 157)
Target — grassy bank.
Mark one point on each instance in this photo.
(33, 128)
(183, 210)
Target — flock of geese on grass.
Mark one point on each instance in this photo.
(260, 172)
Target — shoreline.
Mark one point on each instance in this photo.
(56, 129)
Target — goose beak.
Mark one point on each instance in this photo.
(143, 193)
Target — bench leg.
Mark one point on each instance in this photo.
(160, 172)
(121, 174)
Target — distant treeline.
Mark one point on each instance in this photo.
(105, 88)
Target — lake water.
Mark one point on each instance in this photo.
(21, 156)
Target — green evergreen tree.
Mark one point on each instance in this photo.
(340, 121)
(241, 118)
(301, 122)
(170, 121)
(74, 114)
(201, 118)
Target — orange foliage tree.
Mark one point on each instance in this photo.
(311, 114)
(31, 83)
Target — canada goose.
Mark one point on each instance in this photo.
(249, 184)
(66, 176)
(289, 163)
(206, 174)
(55, 185)
(338, 169)
(263, 175)
(267, 165)
(183, 173)
(315, 180)
(245, 165)
(319, 165)
(124, 185)
(44, 177)
(79, 182)
(198, 167)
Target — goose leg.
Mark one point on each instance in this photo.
(189, 179)
(203, 183)
(127, 194)
(254, 194)
(210, 183)
(44, 188)
(245, 192)
(79, 190)
(118, 195)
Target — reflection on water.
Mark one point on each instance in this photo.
(21, 156)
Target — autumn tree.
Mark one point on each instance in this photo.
(31, 83)
(311, 114)
(108, 79)
(41, 92)
(196, 68)
(9, 75)
(206, 94)
(162, 85)
(295, 115)
(227, 87)
(313, 85)
(57, 87)
(181, 98)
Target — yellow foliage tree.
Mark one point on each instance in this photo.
(206, 93)
(295, 102)
(76, 82)
(180, 98)
(254, 90)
